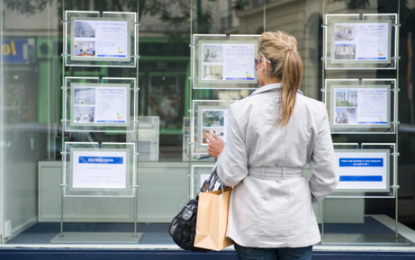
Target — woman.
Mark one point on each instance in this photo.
(272, 135)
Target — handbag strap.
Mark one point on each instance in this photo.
(209, 184)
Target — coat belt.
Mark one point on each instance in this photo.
(275, 173)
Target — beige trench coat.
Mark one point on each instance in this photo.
(271, 203)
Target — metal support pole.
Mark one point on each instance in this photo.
(191, 182)
(191, 140)
(323, 63)
(135, 189)
(395, 158)
(135, 211)
(63, 148)
(265, 16)
(322, 218)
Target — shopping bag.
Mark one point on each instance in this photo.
(212, 220)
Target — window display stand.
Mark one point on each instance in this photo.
(209, 54)
(79, 30)
(340, 42)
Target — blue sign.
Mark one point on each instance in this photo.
(100, 160)
(240, 79)
(361, 162)
(111, 121)
(371, 178)
(12, 50)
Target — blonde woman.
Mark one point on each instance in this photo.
(272, 135)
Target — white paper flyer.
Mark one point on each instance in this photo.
(215, 121)
(361, 42)
(228, 62)
(99, 169)
(100, 40)
(100, 105)
(360, 106)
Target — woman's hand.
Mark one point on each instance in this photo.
(216, 144)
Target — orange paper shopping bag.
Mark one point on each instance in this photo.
(212, 220)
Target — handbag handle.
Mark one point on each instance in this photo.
(209, 184)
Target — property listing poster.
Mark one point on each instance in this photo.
(360, 170)
(361, 42)
(228, 62)
(213, 120)
(360, 106)
(99, 169)
(100, 105)
(100, 40)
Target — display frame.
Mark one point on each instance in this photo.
(195, 123)
(331, 63)
(390, 190)
(198, 40)
(132, 39)
(106, 86)
(358, 153)
(333, 107)
(147, 131)
(389, 84)
(74, 57)
(196, 180)
(93, 148)
(71, 83)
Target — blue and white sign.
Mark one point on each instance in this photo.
(99, 169)
(363, 170)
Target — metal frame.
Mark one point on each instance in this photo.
(220, 39)
(395, 154)
(133, 46)
(393, 114)
(135, 57)
(132, 125)
(367, 66)
(192, 177)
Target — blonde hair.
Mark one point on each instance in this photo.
(286, 65)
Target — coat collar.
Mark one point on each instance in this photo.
(270, 87)
(267, 88)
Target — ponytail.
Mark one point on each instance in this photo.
(286, 66)
(291, 79)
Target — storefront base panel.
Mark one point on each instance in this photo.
(86, 254)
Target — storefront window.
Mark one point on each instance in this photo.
(51, 104)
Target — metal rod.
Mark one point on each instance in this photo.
(324, 100)
(63, 156)
(395, 158)
(191, 20)
(135, 200)
(322, 218)
(323, 61)
(265, 15)
(191, 182)
(135, 210)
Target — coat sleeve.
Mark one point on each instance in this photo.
(323, 164)
(232, 164)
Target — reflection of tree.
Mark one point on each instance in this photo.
(177, 23)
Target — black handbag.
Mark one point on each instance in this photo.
(183, 227)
